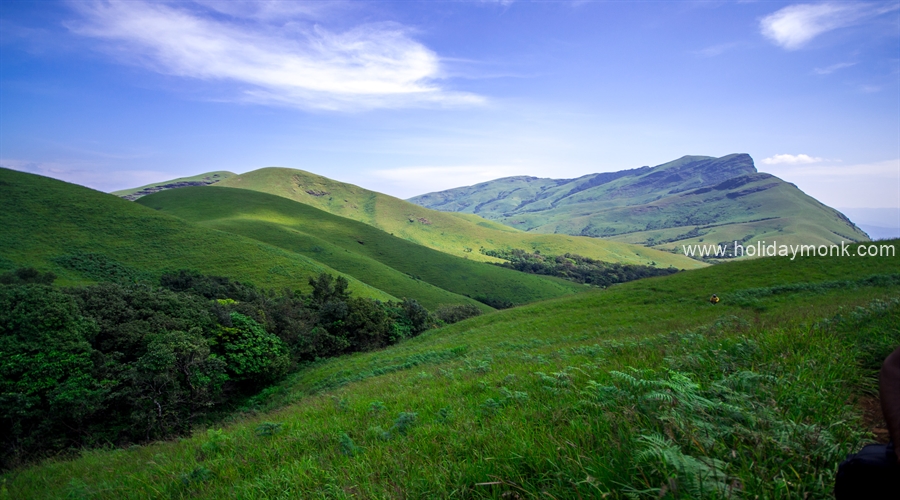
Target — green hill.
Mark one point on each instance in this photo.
(694, 199)
(457, 234)
(644, 390)
(386, 262)
(196, 180)
(84, 236)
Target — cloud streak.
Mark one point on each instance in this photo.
(834, 67)
(800, 159)
(794, 26)
(291, 62)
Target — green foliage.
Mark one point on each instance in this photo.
(575, 267)
(27, 276)
(347, 446)
(266, 429)
(655, 394)
(48, 385)
(251, 353)
(216, 442)
(450, 313)
(123, 363)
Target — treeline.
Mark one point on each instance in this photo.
(128, 363)
(575, 267)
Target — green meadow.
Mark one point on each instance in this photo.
(642, 390)
(461, 235)
(85, 236)
(382, 260)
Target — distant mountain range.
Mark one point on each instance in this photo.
(694, 199)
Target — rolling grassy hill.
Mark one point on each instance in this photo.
(85, 236)
(694, 199)
(644, 390)
(392, 264)
(196, 180)
(457, 234)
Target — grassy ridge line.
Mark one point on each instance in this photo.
(206, 178)
(44, 219)
(371, 255)
(450, 233)
(543, 398)
(724, 199)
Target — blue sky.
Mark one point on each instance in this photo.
(412, 97)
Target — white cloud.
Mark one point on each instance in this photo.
(292, 62)
(795, 25)
(790, 160)
(834, 67)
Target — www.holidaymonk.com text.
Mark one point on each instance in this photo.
(764, 249)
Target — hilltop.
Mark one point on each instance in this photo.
(395, 265)
(86, 236)
(695, 199)
(461, 235)
(196, 180)
(637, 390)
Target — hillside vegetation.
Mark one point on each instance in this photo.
(695, 199)
(457, 234)
(384, 261)
(644, 390)
(196, 180)
(85, 236)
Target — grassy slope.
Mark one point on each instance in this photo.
(44, 218)
(369, 254)
(647, 206)
(506, 406)
(447, 232)
(206, 178)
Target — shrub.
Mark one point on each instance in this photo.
(454, 313)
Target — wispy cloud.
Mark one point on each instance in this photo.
(716, 50)
(792, 27)
(827, 70)
(274, 51)
(800, 159)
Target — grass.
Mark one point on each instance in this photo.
(457, 234)
(196, 180)
(686, 201)
(644, 390)
(85, 236)
(384, 261)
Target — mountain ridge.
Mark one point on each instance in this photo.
(661, 207)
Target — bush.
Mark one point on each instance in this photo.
(454, 313)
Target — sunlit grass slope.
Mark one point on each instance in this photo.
(387, 262)
(44, 221)
(195, 180)
(457, 234)
(644, 390)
